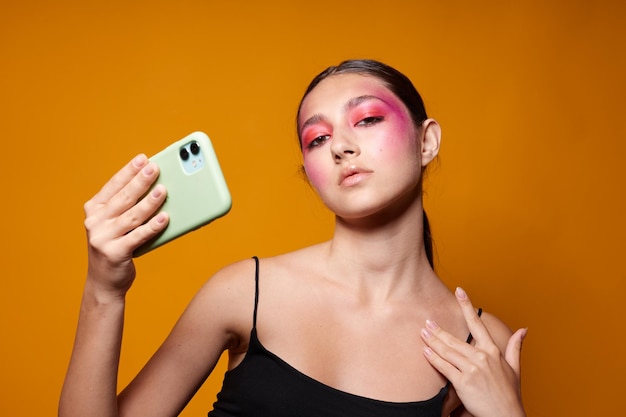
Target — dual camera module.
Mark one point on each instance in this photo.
(193, 147)
(191, 157)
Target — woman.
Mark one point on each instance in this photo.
(349, 327)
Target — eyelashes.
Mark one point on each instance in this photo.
(370, 120)
(320, 139)
(317, 141)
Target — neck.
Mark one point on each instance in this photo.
(385, 252)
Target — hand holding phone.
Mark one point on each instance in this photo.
(197, 192)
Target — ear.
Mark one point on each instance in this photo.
(430, 141)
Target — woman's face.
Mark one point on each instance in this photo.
(360, 146)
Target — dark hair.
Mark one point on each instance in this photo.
(394, 80)
(400, 85)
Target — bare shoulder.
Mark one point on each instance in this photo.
(233, 280)
(498, 330)
(216, 319)
(226, 301)
(285, 267)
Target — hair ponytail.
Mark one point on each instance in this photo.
(428, 242)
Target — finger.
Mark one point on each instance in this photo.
(447, 346)
(120, 179)
(513, 350)
(121, 230)
(449, 371)
(474, 323)
(133, 191)
(145, 232)
(139, 214)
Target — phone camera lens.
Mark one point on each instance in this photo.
(184, 154)
(195, 148)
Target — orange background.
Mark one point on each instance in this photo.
(527, 201)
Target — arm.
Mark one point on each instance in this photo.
(485, 376)
(114, 223)
(214, 320)
(90, 386)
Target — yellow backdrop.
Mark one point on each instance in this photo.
(527, 201)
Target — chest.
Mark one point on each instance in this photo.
(265, 385)
(370, 352)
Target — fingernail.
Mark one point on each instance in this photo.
(460, 293)
(148, 170)
(426, 334)
(428, 351)
(139, 160)
(432, 325)
(156, 193)
(160, 218)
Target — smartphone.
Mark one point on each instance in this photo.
(197, 192)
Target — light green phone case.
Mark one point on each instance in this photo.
(196, 189)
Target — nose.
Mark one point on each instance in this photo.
(343, 146)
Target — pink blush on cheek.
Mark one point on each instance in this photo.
(396, 143)
(315, 175)
(401, 135)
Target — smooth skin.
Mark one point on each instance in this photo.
(380, 323)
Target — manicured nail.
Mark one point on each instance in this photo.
(460, 293)
(432, 325)
(426, 334)
(428, 351)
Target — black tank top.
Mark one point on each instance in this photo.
(263, 385)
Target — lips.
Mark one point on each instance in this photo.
(353, 175)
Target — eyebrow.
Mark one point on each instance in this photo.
(352, 103)
(316, 118)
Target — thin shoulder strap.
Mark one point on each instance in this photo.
(470, 337)
(256, 290)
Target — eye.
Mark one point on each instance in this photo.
(370, 120)
(317, 141)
